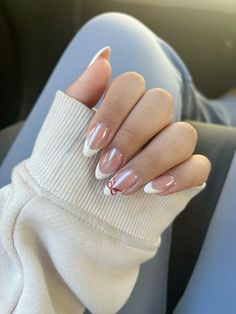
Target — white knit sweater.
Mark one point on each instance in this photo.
(64, 245)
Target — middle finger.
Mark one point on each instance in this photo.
(151, 114)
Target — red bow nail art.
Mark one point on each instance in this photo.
(110, 185)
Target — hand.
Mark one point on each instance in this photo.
(133, 128)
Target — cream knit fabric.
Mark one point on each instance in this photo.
(64, 245)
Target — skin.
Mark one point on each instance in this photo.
(141, 127)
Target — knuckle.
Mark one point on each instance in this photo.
(162, 94)
(136, 77)
(133, 78)
(204, 165)
(184, 138)
(188, 130)
(115, 109)
(163, 98)
(200, 167)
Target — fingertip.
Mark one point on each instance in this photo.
(91, 85)
(87, 151)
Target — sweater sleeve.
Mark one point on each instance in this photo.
(64, 245)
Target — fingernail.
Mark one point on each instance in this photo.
(121, 182)
(108, 163)
(96, 139)
(161, 184)
(102, 53)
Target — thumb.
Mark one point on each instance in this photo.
(90, 86)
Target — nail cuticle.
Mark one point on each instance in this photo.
(109, 162)
(96, 139)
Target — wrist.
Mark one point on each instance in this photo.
(57, 165)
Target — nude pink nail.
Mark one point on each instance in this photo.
(108, 163)
(160, 184)
(121, 182)
(96, 139)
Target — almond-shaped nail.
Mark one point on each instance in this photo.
(160, 184)
(121, 182)
(102, 53)
(95, 139)
(109, 162)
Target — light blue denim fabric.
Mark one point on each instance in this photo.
(212, 286)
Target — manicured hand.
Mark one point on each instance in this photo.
(133, 130)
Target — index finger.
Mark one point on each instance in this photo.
(120, 98)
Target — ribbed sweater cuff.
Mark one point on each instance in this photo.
(57, 164)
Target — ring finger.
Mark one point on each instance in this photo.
(172, 146)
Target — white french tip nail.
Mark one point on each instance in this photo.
(99, 174)
(149, 189)
(107, 191)
(88, 152)
(98, 54)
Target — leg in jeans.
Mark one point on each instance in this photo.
(212, 286)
